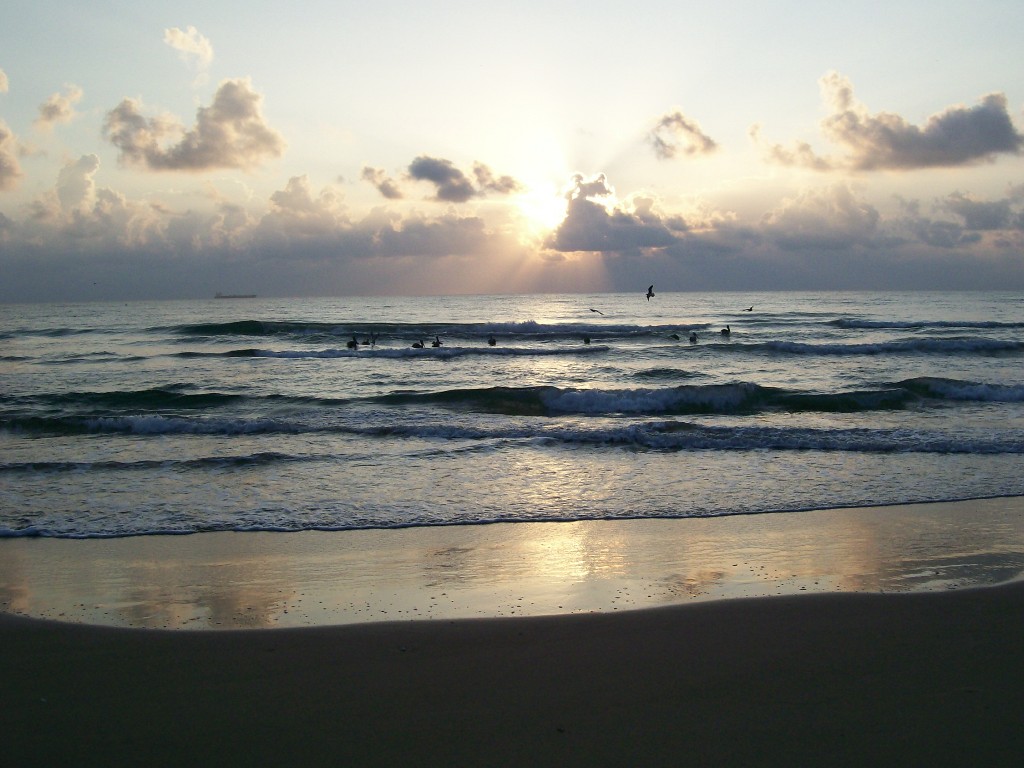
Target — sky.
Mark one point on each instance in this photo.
(328, 148)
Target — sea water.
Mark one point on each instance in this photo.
(296, 414)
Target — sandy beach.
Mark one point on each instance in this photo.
(852, 679)
(897, 643)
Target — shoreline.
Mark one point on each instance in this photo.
(252, 580)
(903, 648)
(837, 679)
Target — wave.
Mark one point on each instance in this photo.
(216, 462)
(168, 410)
(514, 346)
(739, 398)
(951, 345)
(657, 435)
(970, 391)
(409, 332)
(858, 323)
(441, 352)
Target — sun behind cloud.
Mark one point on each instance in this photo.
(542, 207)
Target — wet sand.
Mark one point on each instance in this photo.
(253, 580)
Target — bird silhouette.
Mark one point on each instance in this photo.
(749, 309)
(596, 310)
(726, 331)
(650, 292)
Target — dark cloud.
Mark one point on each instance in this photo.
(939, 234)
(964, 222)
(676, 134)
(10, 170)
(230, 133)
(979, 214)
(59, 108)
(488, 182)
(384, 184)
(591, 226)
(956, 137)
(595, 187)
(454, 186)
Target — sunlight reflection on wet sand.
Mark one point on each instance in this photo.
(246, 580)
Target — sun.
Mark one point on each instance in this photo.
(542, 208)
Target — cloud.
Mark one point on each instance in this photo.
(296, 214)
(75, 185)
(828, 218)
(299, 220)
(384, 184)
(59, 108)
(590, 225)
(230, 133)
(488, 182)
(454, 186)
(595, 187)
(979, 215)
(958, 136)
(965, 222)
(801, 154)
(4, 84)
(193, 47)
(10, 170)
(676, 134)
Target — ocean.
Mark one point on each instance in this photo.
(258, 414)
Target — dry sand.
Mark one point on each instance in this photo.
(928, 679)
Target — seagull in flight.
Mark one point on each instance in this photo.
(596, 310)
(650, 292)
(749, 309)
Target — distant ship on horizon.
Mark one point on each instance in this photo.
(235, 295)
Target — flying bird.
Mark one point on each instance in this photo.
(650, 292)
(749, 309)
(596, 310)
